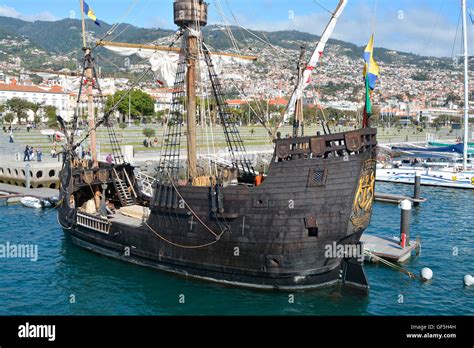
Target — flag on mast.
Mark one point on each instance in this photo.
(371, 73)
(90, 13)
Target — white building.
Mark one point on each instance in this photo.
(54, 96)
(162, 97)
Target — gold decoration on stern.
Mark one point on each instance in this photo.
(364, 197)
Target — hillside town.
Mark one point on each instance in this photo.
(406, 92)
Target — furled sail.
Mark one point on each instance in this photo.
(314, 60)
(164, 63)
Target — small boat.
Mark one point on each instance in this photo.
(36, 203)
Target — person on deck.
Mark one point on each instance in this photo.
(109, 159)
(88, 155)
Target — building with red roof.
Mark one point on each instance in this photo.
(54, 96)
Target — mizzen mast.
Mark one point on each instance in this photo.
(190, 16)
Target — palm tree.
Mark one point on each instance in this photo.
(35, 107)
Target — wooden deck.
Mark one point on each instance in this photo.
(387, 248)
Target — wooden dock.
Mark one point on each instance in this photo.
(387, 248)
(395, 199)
(14, 193)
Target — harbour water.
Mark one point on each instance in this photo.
(67, 280)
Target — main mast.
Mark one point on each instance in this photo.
(466, 86)
(89, 75)
(190, 16)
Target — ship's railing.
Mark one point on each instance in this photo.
(145, 182)
(339, 144)
(95, 223)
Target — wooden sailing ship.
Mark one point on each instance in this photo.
(231, 225)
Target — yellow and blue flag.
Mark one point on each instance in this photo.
(371, 69)
(90, 13)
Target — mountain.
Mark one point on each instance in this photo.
(64, 36)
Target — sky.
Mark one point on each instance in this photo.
(425, 27)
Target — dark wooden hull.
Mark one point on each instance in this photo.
(274, 235)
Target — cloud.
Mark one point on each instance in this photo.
(417, 30)
(11, 12)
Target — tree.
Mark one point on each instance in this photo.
(3, 108)
(149, 132)
(35, 107)
(50, 112)
(139, 103)
(8, 118)
(19, 107)
(122, 126)
(452, 98)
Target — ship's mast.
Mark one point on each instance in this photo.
(466, 86)
(190, 15)
(89, 75)
(303, 81)
(298, 115)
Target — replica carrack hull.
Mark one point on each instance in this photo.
(318, 193)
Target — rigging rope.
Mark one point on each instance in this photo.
(390, 264)
(456, 35)
(109, 112)
(324, 8)
(434, 27)
(181, 245)
(129, 25)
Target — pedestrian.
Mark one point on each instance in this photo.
(155, 142)
(32, 154)
(28, 126)
(39, 154)
(12, 138)
(27, 154)
(109, 159)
